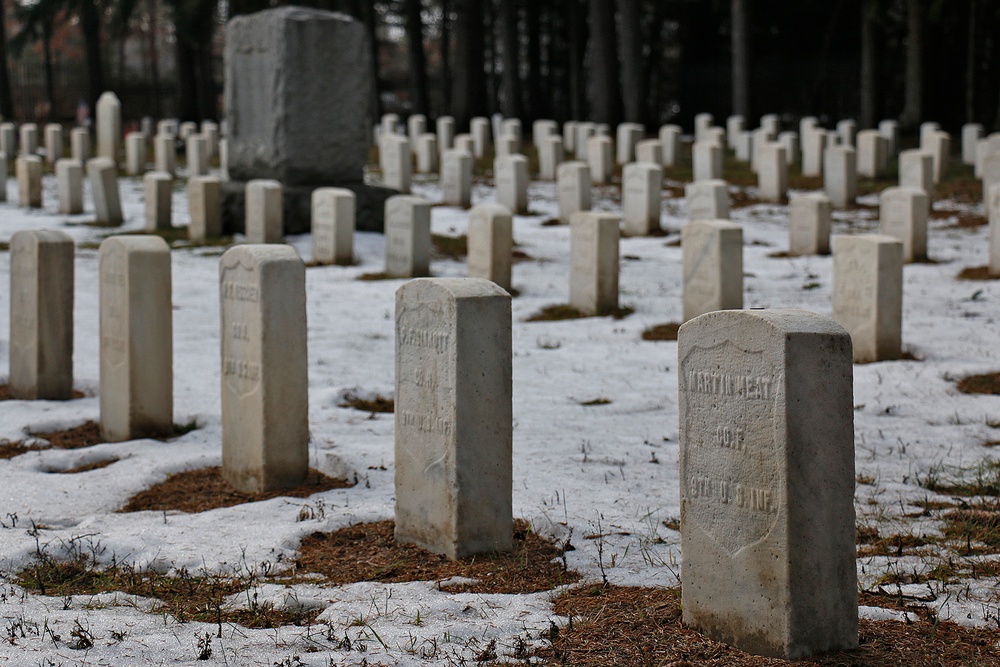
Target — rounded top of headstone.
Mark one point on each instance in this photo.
(134, 243)
(784, 320)
(490, 210)
(39, 236)
(108, 97)
(252, 255)
(454, 288)
(292, 13)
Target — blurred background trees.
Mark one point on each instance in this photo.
(650, 61)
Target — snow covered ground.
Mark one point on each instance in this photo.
(578, 470)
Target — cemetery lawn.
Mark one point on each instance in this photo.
(316, 579)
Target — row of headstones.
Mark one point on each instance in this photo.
(453, 443)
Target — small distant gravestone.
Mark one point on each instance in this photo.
(903, 214)
(135, 153)
(103, 176)
(599, 158)
(205, 207)
(445, 126)
(165, 153)
(136, 325)
(813, 147)
(939, 146)
(109, 126)
(8, 140)
(809, 224)
(868, 294)
(767, 482)
(511, 176)
(41, 315)
(29, 181)
(158, 189)
(772, 172)
(456, 178)
(707, 161)
(333, 212)
(453, 416)
(69, 186)
(397, 165)
(574, 188)
(840, 176)
(670, 140)
(490, 241)
(734, 126)
(407, 237)
(971, 134)
(790, 140)
(649, 150)
(890, 130)
(427, 153)
(264, 211)
(916, 170)
(550, 155)
(993, 215)
(53, 142)
(641, 184)
(712, 252)
(196, 150)
(79, 140)
(707, 200)
(593, 270)
(584, 131)
(416, 127)
(29, 139)
(627, 136)
(265, 402)
(479, 128)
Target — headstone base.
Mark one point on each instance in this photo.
(297, 200)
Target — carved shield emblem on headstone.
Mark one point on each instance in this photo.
(733, 477)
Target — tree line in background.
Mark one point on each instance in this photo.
(648, 61)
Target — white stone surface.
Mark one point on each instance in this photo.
(707, 200)
(871, 153)
(109, 126)
(490, 244)
(712, 252)
(649, 150)
(453, 444)
(79, 140)
(265, 379)
(165, 153)
(479, 128)
(28, 141)
(868, 294)
(670, 140)
(593, 268)
(971, 134)
(574, 188)
(196, 152)
(511, 176)
(135, 153)
(916, 170)
(550, 155)
(456, 178)
(333, 218)
(813, 148)
(641, 184)
(41, 315)
(840, 176)
(706, 161)
(69, 186)
(136, 322)
(599, 158)
(28, 170)
(407, 237)
(772, 172)
(627, 135)
(903, 214)
(397, 167)
(53, 142)
(809, 224)
(427, 153)
(158, 188)
(8, 139)
(767, 481)
(264, 211)
(204, 207)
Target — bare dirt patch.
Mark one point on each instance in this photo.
(205, 489)
(368, 552)
(641, 627)
(564, 311)
(666, 331)
(987, 383)
(976, 273)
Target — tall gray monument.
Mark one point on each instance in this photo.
(297, 93)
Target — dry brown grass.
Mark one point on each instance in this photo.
(987, 383)
(205, 489)
(666, 331)
(641, 627)
(976, 273)
(564, 311)
(86, 434)
(369, 552)
(376, 404)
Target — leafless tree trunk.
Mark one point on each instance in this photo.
(469, 90)
(446, 55)
(510, 96)
(868, 63)
(740, 45)
(630, 45)
(970, 67)
(577, 39)
(604, 95)
(418, 61)
(913, 103)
